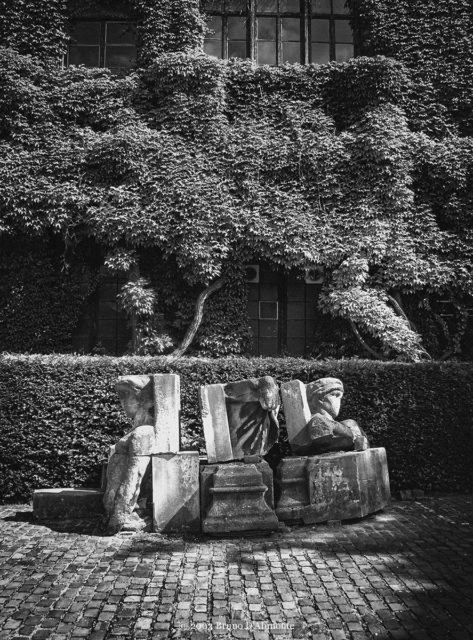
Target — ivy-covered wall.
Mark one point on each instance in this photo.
(202, 162)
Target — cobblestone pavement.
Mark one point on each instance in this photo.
(404, 573)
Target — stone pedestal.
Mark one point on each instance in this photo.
(332, 486)
(291, 488)
(237, 497)
(176, 505)
(64, 504)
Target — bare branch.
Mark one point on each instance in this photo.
(195, 324)
(374, 353)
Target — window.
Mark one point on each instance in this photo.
(277, 31)
(97, 43)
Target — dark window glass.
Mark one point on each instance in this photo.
(343, 52)
(103, 43)
(237, 49)
(86, 33)
(266, 29)
(236, 28)
(339, 6)
(343, 32)
(321, 30)
(321, 6)
(120, 33)
(291, 6)
(320, 53)
(87, 55)
(266, 6)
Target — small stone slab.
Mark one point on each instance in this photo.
(346, 485)
(239, 418)
(167, 411)
(176, 503)
(296, 408)
(68, 503)
(237, 500)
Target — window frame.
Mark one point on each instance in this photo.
(307, 12)
(102, 44)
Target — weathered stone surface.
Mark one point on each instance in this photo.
(176, 502)
(310, 416)
(124, 475)
(154, 400)
(62, 504)
(347, 485)
(206, 482)
(291, 488)
(296, 408)
(136, 395)
(240, 418)
(332, 486)
(153, 403)
(167, 409)
(237, 500)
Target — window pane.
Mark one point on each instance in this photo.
(321, 53)
(266, 28)
(291, 52)
(120, 33)
(266, 6)
(266, 53)
(236, 28)
(235, 5)
(268, 329)
(213, 48)
(291, 29)
(339, 6)
(290, 5)
(343, 52)
(86, 33)
(320, 31)
(212, 5)
(268, 310)
(86, 55)
(120, 56)
(236, 49)
(215, 27)
(321, 6)
(343, 32)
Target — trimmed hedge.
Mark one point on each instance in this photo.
(59, 414)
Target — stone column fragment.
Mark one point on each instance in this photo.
(216, 428)
(167, 409)
(296, 408)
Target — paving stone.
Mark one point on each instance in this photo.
(404, 574)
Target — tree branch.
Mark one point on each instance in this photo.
(195, 324)
(374, 353)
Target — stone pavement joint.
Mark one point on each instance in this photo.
(402, 574)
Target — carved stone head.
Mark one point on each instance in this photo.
(325, 396)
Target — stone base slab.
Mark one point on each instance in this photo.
(332, 486)
(237, 497)
(63, 504)
(176, 503)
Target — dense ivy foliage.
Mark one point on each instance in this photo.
(60, 414)
(434, 38)
(42, 296)
(361, 166)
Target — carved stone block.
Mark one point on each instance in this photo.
(332, 486)
(347, 485)
(239, 418)
(291, 488)
(237, 499)
(63, 504)
(176, 503)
